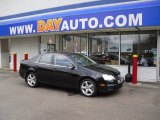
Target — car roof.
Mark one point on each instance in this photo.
(61, 53)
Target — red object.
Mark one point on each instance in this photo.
(134, 72)
(15, 62)
(26, 56)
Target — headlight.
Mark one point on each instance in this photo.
(108, 77)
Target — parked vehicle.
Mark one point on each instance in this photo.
(72, 71)
(112, 56)
(103, 58)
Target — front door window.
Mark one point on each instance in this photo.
(61, 60)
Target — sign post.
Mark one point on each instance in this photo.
(134, 72)
(15, 62)
(25, 56)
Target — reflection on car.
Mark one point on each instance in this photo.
(72, 71)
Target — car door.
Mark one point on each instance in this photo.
(62, 73)
(45, 69)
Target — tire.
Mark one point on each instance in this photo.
(31, 80)
(88, 88)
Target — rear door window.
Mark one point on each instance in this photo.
(46, 58)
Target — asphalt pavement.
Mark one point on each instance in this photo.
(19, 102)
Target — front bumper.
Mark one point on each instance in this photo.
(111, 86)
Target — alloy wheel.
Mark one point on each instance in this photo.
(31, 80)
(88, 88)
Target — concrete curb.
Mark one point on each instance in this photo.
(146, 85)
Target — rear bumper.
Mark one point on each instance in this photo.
(22, 73)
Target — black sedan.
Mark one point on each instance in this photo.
(72, 71)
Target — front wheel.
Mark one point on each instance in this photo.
(88, 88)
(31, 80)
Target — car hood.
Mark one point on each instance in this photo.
(103, 69)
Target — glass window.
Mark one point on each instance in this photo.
(129, 46)
(46, 59)
(76, 47)
(148, 49)
(104, 48)
(58, 43)
(47, 44)
(76, 43)
(144, 44)
(83, 38)
(62, 60)
(68, 43)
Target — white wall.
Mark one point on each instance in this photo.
(5, 60)
(21, 45)
(4, 53)
(145, 74)
(8, 7)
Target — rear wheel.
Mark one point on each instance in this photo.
(31, 80)
(88, 88)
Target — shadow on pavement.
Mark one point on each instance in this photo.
(73, 92)
(109, 94)
(70, 91)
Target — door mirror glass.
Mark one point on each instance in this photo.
(71, 66)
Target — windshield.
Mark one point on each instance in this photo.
(82, 60)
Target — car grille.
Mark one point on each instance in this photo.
(118, 77)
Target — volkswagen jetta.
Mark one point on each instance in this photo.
(70, 70)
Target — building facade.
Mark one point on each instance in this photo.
(108, 31)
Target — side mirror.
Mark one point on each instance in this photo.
(71, 66)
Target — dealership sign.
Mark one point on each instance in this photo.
(90, 23)
(101, 20)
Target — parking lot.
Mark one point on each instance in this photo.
(19, 102)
